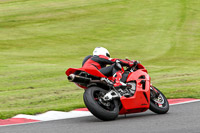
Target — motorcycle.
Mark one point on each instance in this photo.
(106, 103)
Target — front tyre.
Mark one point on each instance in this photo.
(158, 102)
(104, 110)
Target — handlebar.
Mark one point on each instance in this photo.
(134, 66)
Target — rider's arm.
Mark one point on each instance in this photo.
(124, 62)
(107, 60)
(102, 59)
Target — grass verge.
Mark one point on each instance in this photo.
(40, 39)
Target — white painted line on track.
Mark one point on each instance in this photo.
(55, 115)
(50, 116)
(185, 102)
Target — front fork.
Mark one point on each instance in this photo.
(154, 92)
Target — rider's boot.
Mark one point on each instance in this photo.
(120, 86)
(117, 83)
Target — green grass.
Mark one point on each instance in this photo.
(40, 39)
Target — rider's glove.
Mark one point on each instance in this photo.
(137, 62)
(133, 63)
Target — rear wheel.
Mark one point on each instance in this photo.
(158, 103)
(104, 110)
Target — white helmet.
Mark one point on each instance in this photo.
(101, 51)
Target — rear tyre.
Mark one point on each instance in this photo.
(103, 110)
(158, 103)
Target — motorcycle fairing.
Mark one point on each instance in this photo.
(91, 70)
(140, 101)
(139, 74)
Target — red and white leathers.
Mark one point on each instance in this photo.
(100, 62)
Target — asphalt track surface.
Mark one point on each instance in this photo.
(184, 118)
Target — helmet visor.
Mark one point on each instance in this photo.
(107, 54)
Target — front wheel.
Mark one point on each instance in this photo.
(104, 110)
(158, 102)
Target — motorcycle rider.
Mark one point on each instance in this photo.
(101, 58)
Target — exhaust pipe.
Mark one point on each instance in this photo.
(78, 79)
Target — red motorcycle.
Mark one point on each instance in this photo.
(106, 103)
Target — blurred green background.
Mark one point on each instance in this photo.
(41, 39)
